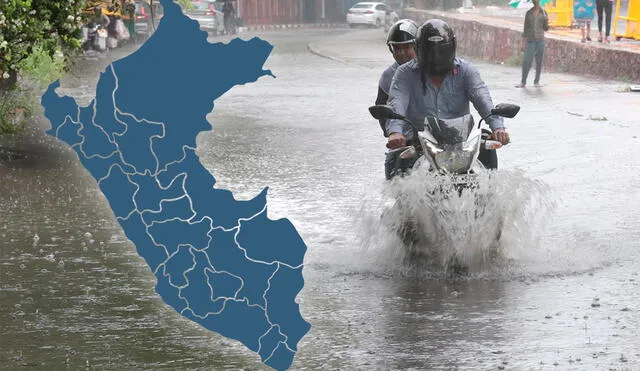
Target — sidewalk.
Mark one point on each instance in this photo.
(514, 19)
(495, 34)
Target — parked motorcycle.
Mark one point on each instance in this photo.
(447, 149)
(95, 38)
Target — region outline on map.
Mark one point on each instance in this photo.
(218, 261)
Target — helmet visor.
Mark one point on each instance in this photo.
(441, 54)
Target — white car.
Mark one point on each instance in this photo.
(370, 14)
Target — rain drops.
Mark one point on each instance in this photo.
(88, 240)
(623, 358)
(19, 357)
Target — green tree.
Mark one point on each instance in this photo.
(51, 25)
(36, 37)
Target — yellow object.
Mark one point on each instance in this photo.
(109, 7)
(632, 27)
(560, 13)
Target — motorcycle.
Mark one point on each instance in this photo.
(95, 38)
(451, 146)
(448, 150)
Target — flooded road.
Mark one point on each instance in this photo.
(74, 293)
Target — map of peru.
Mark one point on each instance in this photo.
(218, 261)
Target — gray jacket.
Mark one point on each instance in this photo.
(387, 76)
(415, 100)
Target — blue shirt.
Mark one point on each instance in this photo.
(387, 76)
(415, 101)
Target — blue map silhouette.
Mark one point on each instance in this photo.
(218, 261)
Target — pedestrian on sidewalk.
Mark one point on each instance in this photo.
(536, 22)
(583, 13)
(605, 6)
(228, 11)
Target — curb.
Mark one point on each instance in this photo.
(319, 53)
(289, 26)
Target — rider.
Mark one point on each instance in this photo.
(100, 18)
(438, 84)
(401, 44)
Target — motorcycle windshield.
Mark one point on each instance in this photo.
(450, 131)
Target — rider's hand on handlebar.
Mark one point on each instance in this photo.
(501, 135)
(396, 140)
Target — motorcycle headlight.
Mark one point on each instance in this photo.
(472, 144)
(431, 147)
(455, 160)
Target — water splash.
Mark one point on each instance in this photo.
(492, 230)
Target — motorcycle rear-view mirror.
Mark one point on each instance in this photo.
(507, 110)
(384, 112)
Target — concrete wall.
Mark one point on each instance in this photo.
(502, 44)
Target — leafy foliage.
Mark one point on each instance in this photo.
(25, 25)
(42, 68)
(15, 107)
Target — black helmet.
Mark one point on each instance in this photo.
(402, 32)
(436, 47)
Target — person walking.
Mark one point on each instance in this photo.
(536, 22)
(229, 12)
